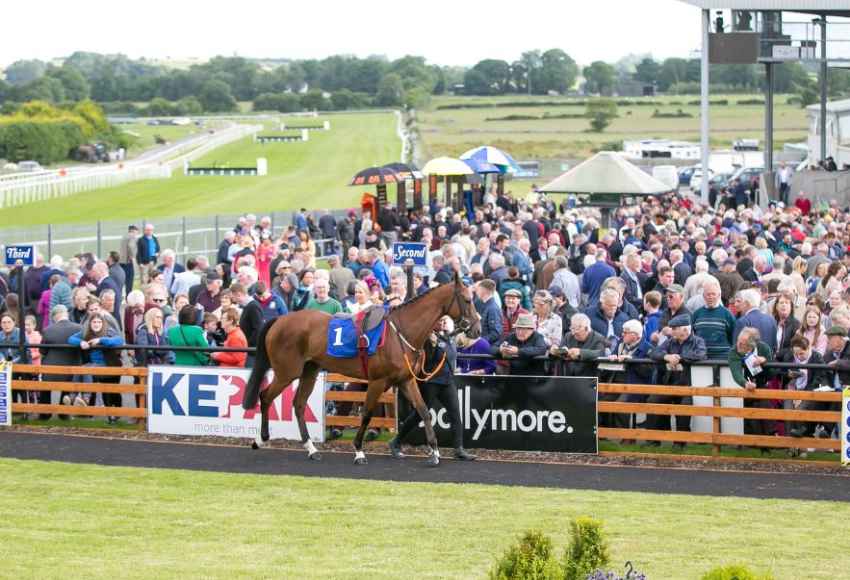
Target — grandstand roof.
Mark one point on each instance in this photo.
(828, 7)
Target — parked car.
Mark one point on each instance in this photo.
(748, 175)
(685, 174)
(720, 180)
(696, 178)
(29, 166)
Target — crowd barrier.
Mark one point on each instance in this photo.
(714, 404)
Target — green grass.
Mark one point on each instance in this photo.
(78, 423)
(314, 174)
(80, 521)
(450, 132)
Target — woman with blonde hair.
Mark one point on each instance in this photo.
(306, 243)
(798, 275)
(362, 298)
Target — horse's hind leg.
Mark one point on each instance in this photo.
(305, 387)
(373, 393)
(267, 397)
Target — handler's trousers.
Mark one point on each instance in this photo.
(431, 393)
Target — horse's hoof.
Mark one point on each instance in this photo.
(315, 456)
(254, 445)
(433, 461)
(360, 461)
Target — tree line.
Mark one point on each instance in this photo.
(45, 133)
(342, 82)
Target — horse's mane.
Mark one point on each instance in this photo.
(418, 297)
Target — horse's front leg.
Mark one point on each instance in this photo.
(414, 395)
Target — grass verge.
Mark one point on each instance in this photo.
(99, 522)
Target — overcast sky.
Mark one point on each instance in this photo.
(445, 32)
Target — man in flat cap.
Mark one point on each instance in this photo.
(676, 355)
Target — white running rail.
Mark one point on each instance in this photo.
(20, 189)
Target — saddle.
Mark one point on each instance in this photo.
(365, 321)
(368, 319)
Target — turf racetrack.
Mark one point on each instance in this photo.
(221, 512)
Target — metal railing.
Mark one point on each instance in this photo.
(188, 236)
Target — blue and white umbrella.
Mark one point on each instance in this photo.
(497, 157)
(481, 167)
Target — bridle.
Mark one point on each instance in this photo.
(462, 326)
(464, 306)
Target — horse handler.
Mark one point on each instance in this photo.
(440, 359)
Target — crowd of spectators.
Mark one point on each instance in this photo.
(670, 283)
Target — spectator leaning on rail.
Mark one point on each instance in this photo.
(746, 362)
(467, 345)
(580, 348)
(675, 354)
(838, 357)
(523, 348)
(630, 345)
(92, 340)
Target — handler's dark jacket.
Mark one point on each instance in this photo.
(433, 357)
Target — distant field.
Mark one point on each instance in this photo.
(314, 174)
(105, 522)
(145, 134)
(450, 132)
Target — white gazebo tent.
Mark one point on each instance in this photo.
(606, 179)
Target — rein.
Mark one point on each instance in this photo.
(463, 325)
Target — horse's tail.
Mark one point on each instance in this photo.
(261, 367)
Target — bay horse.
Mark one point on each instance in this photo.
(295, 347)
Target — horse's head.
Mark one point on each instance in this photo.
(462, 309)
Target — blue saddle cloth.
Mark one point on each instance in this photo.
(342, 338)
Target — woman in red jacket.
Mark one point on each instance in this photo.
(235, 339)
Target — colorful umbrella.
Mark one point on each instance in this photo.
(404, 170)
(375, 176)
(481, 167)
(447, 166)
(497, 157)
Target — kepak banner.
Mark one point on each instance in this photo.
(518, 413)
(208, 401)
(5, 394)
